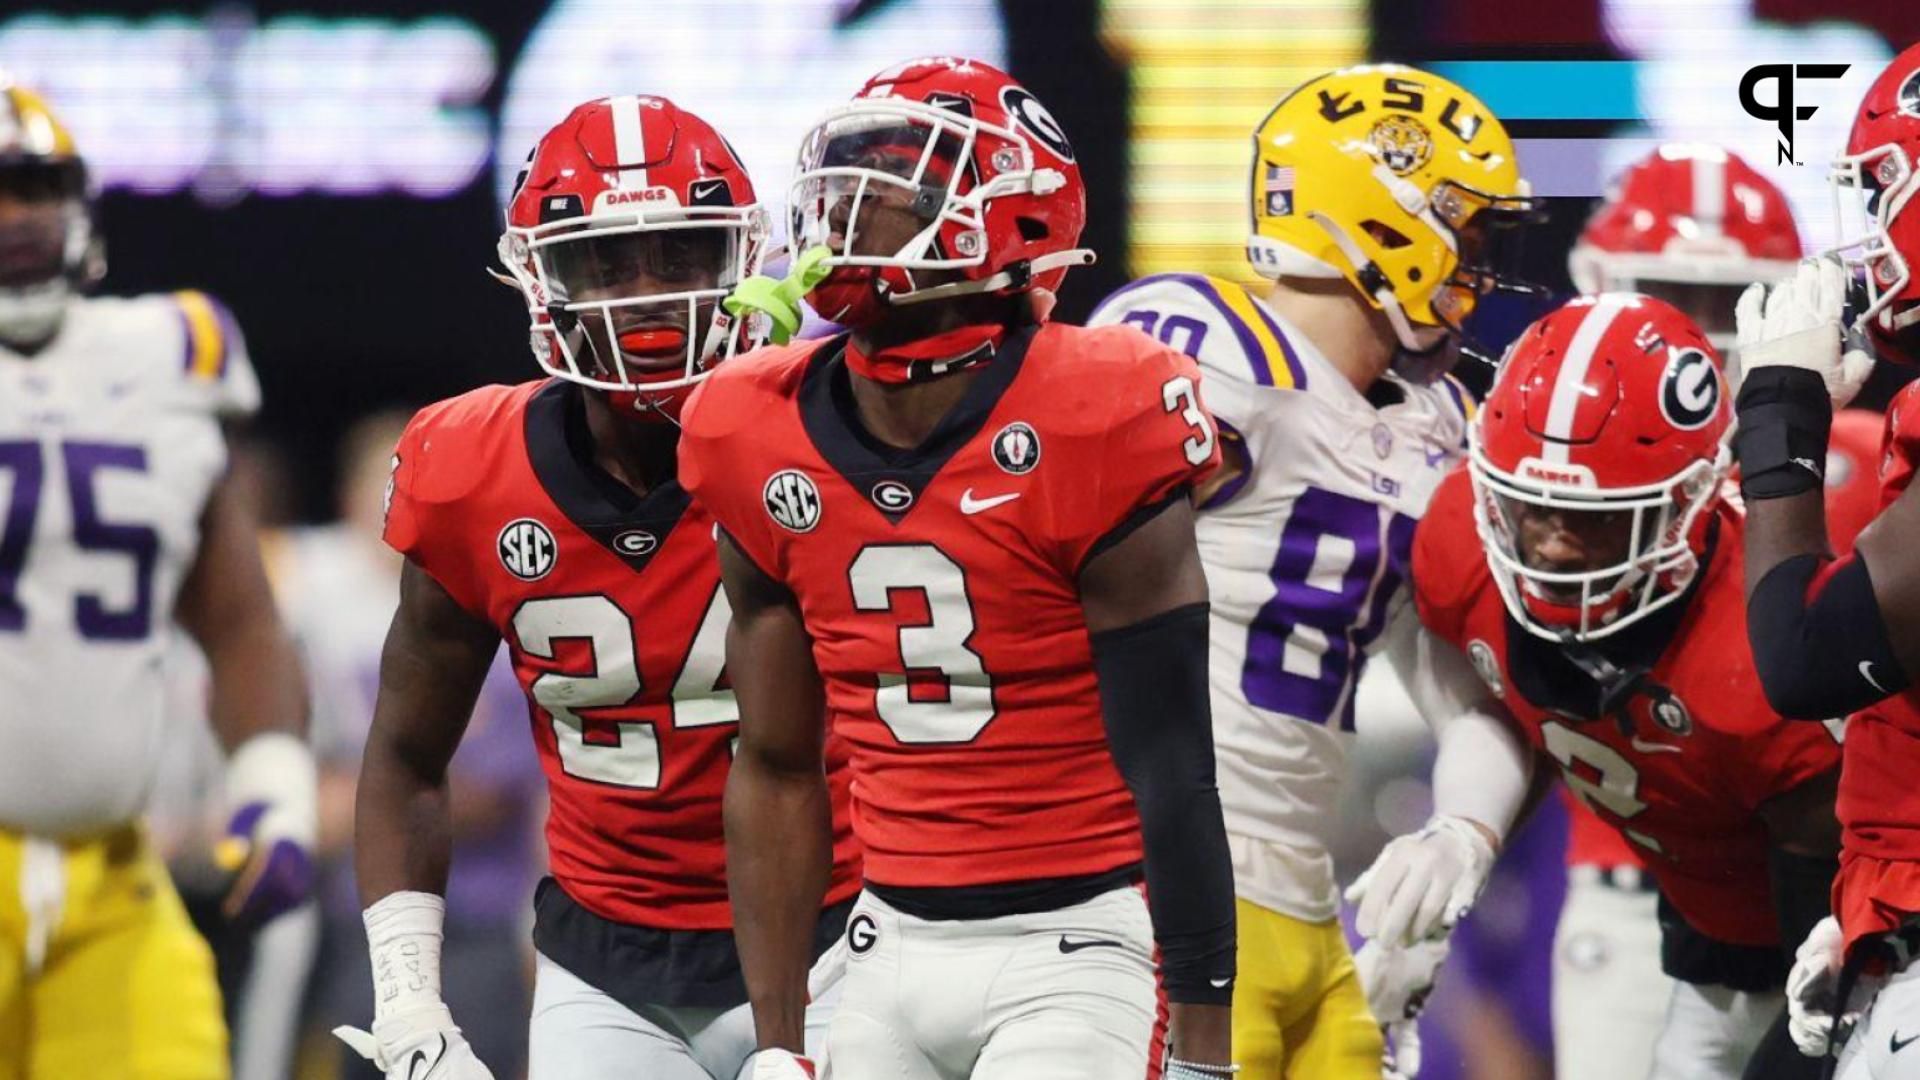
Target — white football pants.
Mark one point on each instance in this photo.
(1061, 995)
(1883, 1046)
(1711, 1031)
(580, 1033)
(1609, 994)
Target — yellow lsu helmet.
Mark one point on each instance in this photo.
(1397, 180)
(46, 255)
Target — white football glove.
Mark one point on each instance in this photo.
(422, 1044)
(1423, 883)
(1797, 323)
(781, 1065)
(1397, 980)
(1812, 986)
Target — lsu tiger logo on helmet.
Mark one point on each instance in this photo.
(1397, 180)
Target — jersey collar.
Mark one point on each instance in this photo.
(560, 449)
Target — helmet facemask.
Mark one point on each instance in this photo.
(1487, 234)
(1872, 190)
(631, 303)
(1656, 530)
(48, 251)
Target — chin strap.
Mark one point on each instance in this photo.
(1374, 282)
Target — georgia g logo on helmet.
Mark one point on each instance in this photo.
(1689, 389)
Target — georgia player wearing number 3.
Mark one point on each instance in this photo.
(971, 529)
(548, 515)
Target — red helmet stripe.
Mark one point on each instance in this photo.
(629, 139)
(1566, 399)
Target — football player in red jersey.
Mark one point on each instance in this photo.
(1605, 612)
(1835, 636)
(964, 535)
(548, 515)
(1694, 225)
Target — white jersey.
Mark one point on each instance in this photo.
(1306, 558)
(110, 442)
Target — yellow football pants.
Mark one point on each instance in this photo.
(101, 974)
(1298, 1010)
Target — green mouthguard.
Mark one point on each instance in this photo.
(778, 298)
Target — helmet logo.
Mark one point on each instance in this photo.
(1279, 190)
(1401, 143)
(1033, 118)
(1689, 390)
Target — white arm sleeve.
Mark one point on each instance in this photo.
(1482, 768)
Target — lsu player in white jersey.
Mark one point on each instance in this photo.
(1378, 195)
(116, 521)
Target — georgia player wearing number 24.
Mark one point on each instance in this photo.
(964, 535)
(548, 515)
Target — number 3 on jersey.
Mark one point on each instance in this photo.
(616, 751)
(942, 694)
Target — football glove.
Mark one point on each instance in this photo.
(1812, 987)
(1397, 980)
(1423, 883)
(422, 1044)
(268, 846)
(1797, 323)
(777, 1064)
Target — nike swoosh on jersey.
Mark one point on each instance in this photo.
(1896, 1044)
(1646, 747)
(970, 505)
(1071, 945)
(1866, 672)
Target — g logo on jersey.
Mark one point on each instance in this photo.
(862, 933)
(635, 542)
(1690, 389)
(527, 549)
(1016, 449)
(1034, 119)
(892, 496)
(792, 500)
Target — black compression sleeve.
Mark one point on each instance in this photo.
(1822, 656)
(1781, 443)
(1153, 696)
(1776, 1058)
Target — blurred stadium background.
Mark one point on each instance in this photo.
(333, 171)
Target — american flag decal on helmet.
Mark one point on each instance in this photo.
(1279, 190)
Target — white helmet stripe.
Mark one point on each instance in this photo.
(1573, 372)
(629, 139)
(1710, 192)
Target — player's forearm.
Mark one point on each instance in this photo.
(258, 685)
(1781, 529)
(1482, 771)
(779, 857)
(403, 825)
(1201, 1034)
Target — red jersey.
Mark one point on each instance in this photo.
(1706, 749)
(611, 609)
(939, 584)
(1879, 883)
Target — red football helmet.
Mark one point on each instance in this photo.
(630, 223)
(1880, 220)
(972, 154)
(1593, 459)
(1693, 225)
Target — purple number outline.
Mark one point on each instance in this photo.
(1316, 514)
(16, 536)
(141, 543)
